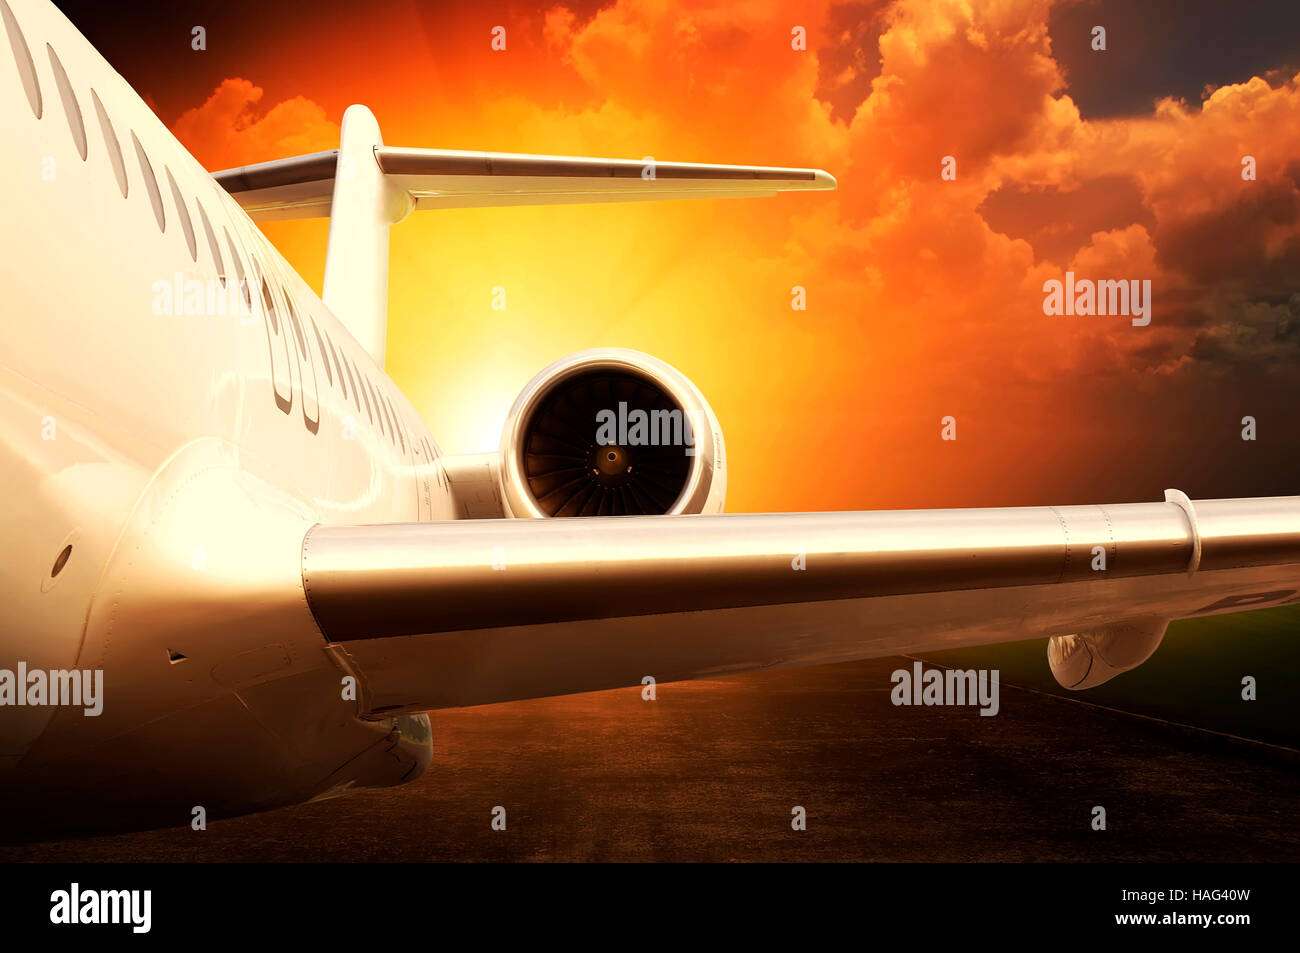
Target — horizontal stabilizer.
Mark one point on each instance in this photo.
(303, 186)
(365, 186)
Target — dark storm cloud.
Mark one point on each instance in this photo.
(1159, 48)
(150, 43)
(1236, 243)
(1058, 222)
(849, 59)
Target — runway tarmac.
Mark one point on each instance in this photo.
(710, 771)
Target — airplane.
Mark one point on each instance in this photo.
(245, 528)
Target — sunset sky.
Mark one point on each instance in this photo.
(924, 295)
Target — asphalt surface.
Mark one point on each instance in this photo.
(710, 771)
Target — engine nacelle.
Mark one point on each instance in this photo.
(1088, 659)
(611, 432)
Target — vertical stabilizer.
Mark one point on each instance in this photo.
(365, 203)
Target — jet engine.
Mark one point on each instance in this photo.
(611, 432)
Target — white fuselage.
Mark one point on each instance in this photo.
(115, 410)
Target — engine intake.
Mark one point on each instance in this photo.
(611, 432)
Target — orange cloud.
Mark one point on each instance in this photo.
(227, 130)
(925, 295)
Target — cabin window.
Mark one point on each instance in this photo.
(352, 379)
(212, 243)
(150, 184)
(324, 356)
(398, 426)
(338, 365)
(388, 415)
(111, 143)
(298, 333)
(23, 60)
(70, 107)
(364, 396)
(244, 284)
(187, 226)
(383, 415)
(379, 411)
(268, 302)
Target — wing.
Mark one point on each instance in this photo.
(303, 186)
(432, 615)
